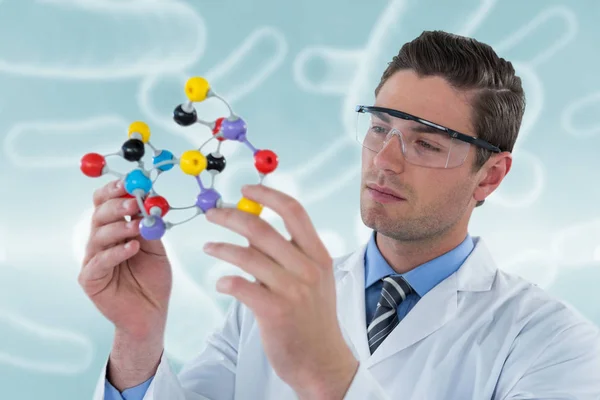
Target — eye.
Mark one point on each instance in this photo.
(428, 146)
(378, 129)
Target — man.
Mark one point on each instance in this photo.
(419, 312)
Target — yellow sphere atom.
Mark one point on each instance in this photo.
(140, 127)
(196, 89)
(249, 206)
(192, 162)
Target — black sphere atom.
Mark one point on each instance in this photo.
(133, 150)
(215, 163)
(184, 118)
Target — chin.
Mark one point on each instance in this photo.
(372, 212)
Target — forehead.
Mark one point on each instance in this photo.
(430, 98)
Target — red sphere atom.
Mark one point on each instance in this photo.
(92, 164)
(265, 161)
(217, 128)
(157, 201)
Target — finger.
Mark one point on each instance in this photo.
(114, 233)
(254, 295)
(103, 263)
(109, 191)
(263, 237)
(296, 219)
(254, 262)
(114, 210)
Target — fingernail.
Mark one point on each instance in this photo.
(127, 203)
(127, 245)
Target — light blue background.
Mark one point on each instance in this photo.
(74, 74)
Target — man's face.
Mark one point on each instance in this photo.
(436, 199)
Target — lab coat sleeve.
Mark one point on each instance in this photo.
(365, 387)
(209, 376)
(567, 368)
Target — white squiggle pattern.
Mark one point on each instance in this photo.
(153, 36)
(559, 12)
(17, 143)
(340, 68)
(534, 90)
(478, 17)
(529, 197)
(225, 71)
(569, 116)
(52, 338)
(218, 76)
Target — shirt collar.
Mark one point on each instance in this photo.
(422, 278)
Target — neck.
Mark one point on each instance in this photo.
(404, 256)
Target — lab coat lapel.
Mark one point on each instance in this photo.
(440, 304)
(432, 312)
(350, 277)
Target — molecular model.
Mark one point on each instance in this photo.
(139, 184)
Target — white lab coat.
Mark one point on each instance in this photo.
(480, 334)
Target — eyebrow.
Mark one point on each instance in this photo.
(383, 116)
(417, 127)
(422, 128)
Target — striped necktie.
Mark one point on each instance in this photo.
(395, 289)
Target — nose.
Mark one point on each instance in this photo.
(391, 157)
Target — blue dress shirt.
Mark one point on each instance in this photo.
(422, 279)
(134, 393)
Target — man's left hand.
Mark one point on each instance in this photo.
(293, 298)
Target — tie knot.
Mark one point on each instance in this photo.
(395, 289)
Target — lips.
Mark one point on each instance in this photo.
(385, 190)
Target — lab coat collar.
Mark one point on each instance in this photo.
(430, 313)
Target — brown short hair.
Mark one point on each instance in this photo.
(498, 98)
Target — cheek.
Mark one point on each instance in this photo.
(441, 190)
(366, 160)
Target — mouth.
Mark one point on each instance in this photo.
(383, 194)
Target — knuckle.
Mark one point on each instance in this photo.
(297, 293)
(312, 276)
(94, 263)
(96, 214)
(257, 228)
(293, 207)
(99, 195)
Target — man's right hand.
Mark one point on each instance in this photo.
(129, 280)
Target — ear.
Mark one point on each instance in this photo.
(491, 175)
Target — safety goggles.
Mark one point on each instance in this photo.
(424, 143)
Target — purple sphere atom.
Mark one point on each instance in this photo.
(234, 130)
(153, 231)
(207, 199)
